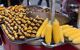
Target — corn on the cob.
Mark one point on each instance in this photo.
(65, 27)
(57, 34)
(74, 36)
(43, 32)
(76, 41)
(69, 32)
(41, 28)
(48, 35)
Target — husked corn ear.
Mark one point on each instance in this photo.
(43, 32)
(74, 36)
(65, 27)
(72, 33)
(57, 34)
(41, 28)
(69, 32)
(10, 36)
(76, 41)
(61, 36)
(48, 34)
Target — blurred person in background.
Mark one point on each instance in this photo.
(70, 7)
(47, 1)
(28, 2)
(7, 3)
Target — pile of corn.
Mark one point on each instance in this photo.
(56, 33)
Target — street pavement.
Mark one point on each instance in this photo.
(1, 48)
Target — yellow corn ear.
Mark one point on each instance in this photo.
(75, 34)
(43, 32)
(41, 28)
(69, 32)
(48, 35)
(76, 41)
(65, 27)
(57, 34)
(61, 36)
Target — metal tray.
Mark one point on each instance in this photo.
(33, 13)
(35, 41)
